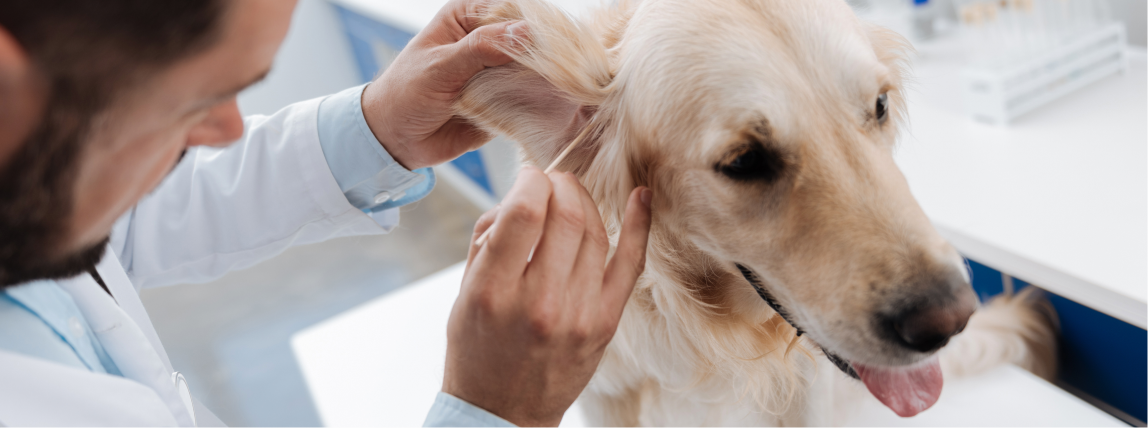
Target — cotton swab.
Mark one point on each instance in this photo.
(569, 148)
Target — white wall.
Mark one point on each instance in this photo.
(315, 60)
(1134, 13)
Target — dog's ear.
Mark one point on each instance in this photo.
(561, 77)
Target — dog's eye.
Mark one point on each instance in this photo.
(882, 109)
(754, 163)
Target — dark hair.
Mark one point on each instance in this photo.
(97, 47)
(87, 53)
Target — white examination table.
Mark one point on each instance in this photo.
(381, 364)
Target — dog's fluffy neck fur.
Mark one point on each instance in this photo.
(710, 349)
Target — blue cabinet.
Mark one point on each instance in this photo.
(1102, 359)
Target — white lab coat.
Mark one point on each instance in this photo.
(219, 210)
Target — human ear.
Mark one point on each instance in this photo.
(12, 57)
(222, 125)
(21, 96)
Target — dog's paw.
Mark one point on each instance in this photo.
(1020, 329)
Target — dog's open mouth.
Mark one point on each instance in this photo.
(907, 390)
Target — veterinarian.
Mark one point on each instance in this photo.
(124, 164)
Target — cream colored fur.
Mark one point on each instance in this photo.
(674, 86)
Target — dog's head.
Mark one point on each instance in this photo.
(766, 130)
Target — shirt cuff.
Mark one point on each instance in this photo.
(368, 176)
(451, 411)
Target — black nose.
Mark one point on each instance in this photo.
(927, 327)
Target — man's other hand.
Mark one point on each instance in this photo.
(539, 303)
(409, 107)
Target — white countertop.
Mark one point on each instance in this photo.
(1058, 198)
(381, 363)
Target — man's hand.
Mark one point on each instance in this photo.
(528, 331)
(408, 108)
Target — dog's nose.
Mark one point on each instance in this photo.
(929, 326)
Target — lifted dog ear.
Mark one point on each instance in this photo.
(561, 77)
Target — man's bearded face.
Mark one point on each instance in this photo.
(36, 201)
(116, 118)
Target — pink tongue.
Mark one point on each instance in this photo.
(906, 390)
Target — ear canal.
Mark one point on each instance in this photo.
(547, 97)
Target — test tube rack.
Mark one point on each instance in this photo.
(998, 93)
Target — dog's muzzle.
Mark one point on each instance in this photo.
(753, 279)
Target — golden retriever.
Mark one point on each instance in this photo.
(788, 258)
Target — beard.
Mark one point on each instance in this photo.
(36, 189)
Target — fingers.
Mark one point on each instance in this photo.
(554, 259)
(468, 12)
(595, 246)
(426, 79)
(465, 15)
(451, 24)
(630, 258)
(484, 222)
(517, 227)
(484, 47)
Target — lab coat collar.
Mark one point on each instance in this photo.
(126, 332)
(128, 298)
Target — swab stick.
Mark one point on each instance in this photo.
(569, 148)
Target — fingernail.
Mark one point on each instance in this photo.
(516, 29)
(646, 196)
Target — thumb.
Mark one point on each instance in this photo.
(484, 47)
(630, 258)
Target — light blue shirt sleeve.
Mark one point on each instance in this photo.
(370, 178)
(451, 411)
(373, 181)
